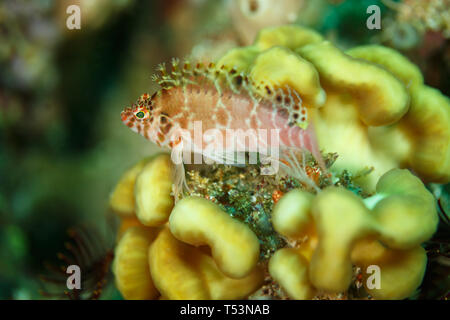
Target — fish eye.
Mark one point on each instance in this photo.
(140, 115)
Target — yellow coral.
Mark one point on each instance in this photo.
(381, 99)
(385, 230)
(401, 271)
(122, 197)
(181, 271)
(341, 219)
(234, 246)
(288, 36)
(422, 136)
(130, 264)
(153, 191)
(290, 269)
(390, 59)
(126, 223)
(369, 104)
(203, 253)
(149, 262)
(291, 216)
(284, 67)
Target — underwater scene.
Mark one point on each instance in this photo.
(225, 149)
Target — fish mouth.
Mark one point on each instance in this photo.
(126, 114)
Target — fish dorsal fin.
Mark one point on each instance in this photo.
(181, 74)
(288, 99)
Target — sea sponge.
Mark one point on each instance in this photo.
(369, 104)
(386, 229)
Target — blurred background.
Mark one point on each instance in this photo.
(62, 144)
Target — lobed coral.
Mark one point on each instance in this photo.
(370, 107)
(342, 230)
(203, 251)
(369, 104)
(157, 257)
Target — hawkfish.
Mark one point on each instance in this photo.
(259, 117)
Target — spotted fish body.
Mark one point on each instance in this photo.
(220, 100)
(224, 101)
